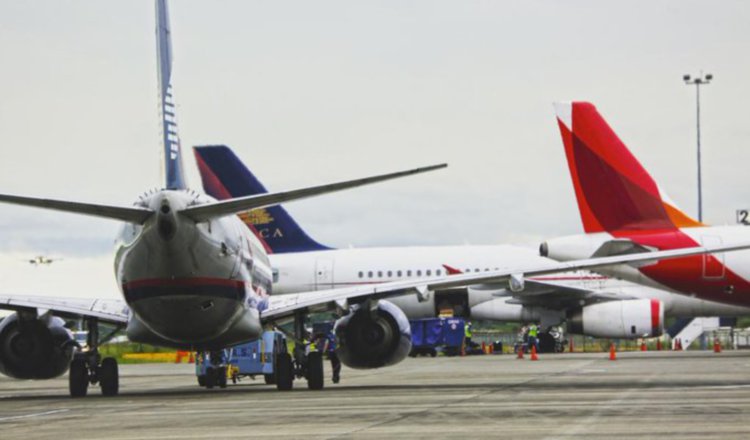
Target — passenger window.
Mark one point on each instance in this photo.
(369, 274)
(361, 274)
(419, 273)
(438, 272)
(429, 272)
(398, 274)
(380, 274)
(390, 274)
(408, 273)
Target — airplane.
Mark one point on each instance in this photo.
(193, 277)
(42, 260)
(623, 209)
(591, 304)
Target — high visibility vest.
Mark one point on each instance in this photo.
(467, 331)
(533, 331)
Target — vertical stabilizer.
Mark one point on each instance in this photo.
(613, 190)
(224, 176)
(173, 169)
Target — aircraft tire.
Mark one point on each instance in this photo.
(221, 380)
(315, 370)
(284, 372)
(109, 378)
(78, 378)
(210, 378)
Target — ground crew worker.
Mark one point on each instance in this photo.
(330, 349)
(467, 334)
(533, 332)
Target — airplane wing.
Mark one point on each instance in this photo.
(284, 306)
(556, 295)
(113, 311)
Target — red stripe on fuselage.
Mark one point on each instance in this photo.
(183, 282)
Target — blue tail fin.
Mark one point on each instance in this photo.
(174, 176)
(225, 176)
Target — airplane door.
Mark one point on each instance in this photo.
(713, 264)
(323, 274)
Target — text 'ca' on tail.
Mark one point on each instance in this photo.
(225, 176)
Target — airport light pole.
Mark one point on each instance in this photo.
(697, 82)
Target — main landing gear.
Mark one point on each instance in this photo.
(216, 373)
(88, 367)
(305, 364)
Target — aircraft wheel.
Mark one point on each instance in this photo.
(315, 370)
(284, 372)
(210, 378)
(546, 343)
(78, 378)
(109, 378)
(222, 377)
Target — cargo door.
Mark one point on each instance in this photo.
(323, 274)
(713, 264)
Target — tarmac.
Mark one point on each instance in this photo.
(564, 396)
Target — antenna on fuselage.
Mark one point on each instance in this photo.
(173, 170)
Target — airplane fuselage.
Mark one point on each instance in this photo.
(191, 284)
(315, 270)
(720, 277)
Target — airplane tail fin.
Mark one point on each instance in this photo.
(224, 176)
(613, 190)
(173, 169)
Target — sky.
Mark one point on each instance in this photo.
(312, 92)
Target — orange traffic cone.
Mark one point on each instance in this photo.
(534, 357)
(658, 345)
(612, 352)
(571, 345)
(643, 346)
(484, 347)
(717, 346)
(191, 359)
(520, 352)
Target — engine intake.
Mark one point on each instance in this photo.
(373, 338)
(630, 318)
(34, 348)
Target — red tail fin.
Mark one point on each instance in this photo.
(613, 190)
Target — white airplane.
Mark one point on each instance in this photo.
(591, 304)
(194, 277)
(40, 260)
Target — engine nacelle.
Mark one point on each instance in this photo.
(630, 318)
(34, 348)
(373, 338)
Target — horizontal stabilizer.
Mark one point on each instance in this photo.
(236, 205)
(130, 215)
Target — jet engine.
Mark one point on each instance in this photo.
(373, 337)
(630, 318)
(34, 348)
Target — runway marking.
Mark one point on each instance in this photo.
(28, 416)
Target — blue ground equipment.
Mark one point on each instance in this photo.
(245, 360)
(430, 335)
